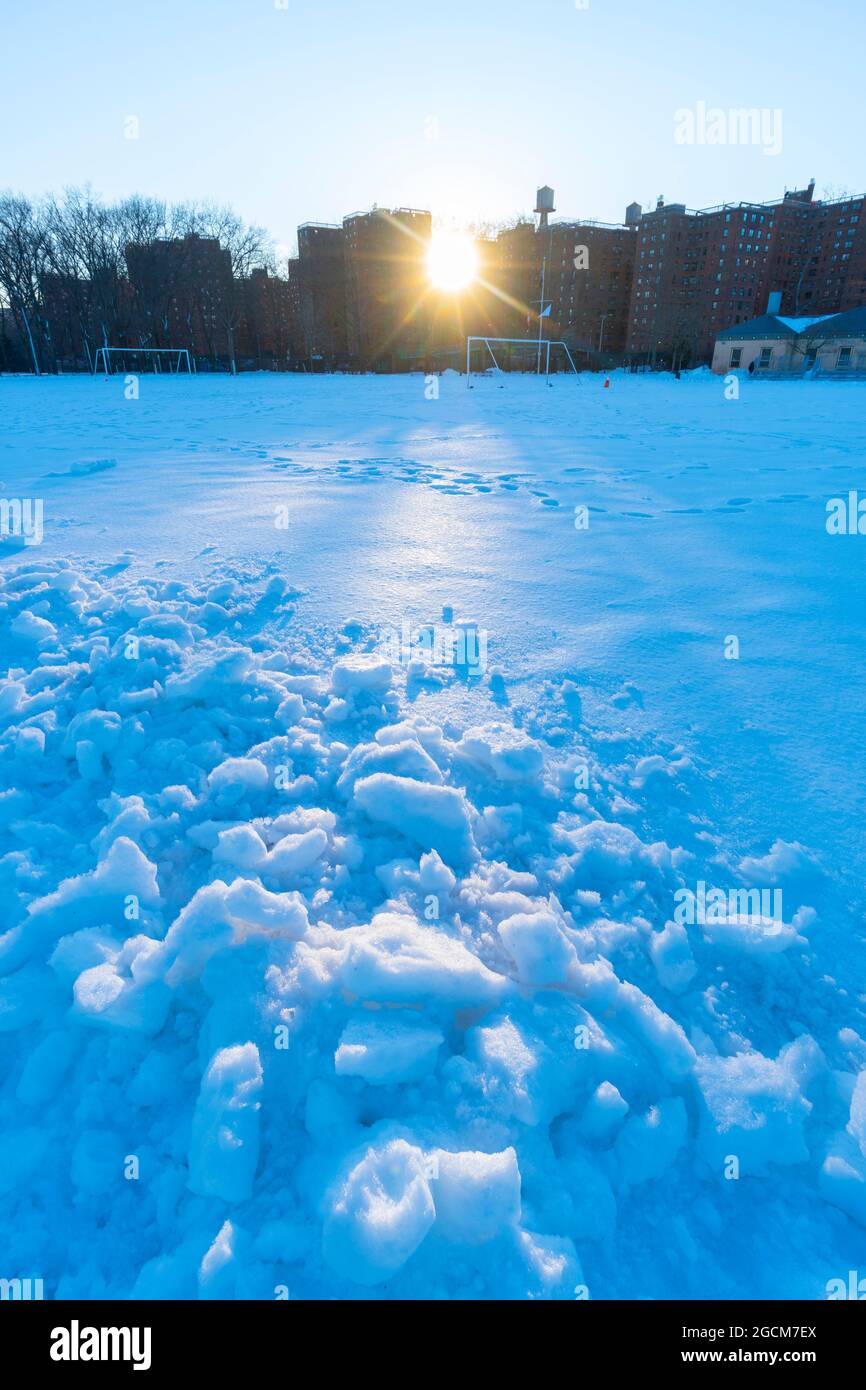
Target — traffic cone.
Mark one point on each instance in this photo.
(606, 382)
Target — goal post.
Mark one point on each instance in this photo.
(171, 360)
(539, 347)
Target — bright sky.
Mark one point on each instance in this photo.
(325, 107)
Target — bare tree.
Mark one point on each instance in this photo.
(808, 345)
(77, 274)
(247, 248)
(23, 249)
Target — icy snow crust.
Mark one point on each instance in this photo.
(304, 993)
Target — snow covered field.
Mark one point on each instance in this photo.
(334, 966)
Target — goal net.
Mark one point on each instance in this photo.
(499, 355)
(135, 359)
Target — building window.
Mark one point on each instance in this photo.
(736, 356)
(765, 357)
(844, 357)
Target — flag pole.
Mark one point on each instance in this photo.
(540, 314)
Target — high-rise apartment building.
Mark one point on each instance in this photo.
(587, 283)
(321, 293)
(263, 330)
(389, 309)
(185, 292)
(698, 272)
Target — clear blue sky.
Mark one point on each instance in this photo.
(464, 106)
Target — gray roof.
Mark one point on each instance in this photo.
(767, 326)
(850, 324)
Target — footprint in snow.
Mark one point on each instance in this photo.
(84, 470)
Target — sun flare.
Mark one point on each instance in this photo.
(452, 261)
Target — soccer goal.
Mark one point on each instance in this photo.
(163, 359)
(516, 354)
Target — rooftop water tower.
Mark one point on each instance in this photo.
(544, 205)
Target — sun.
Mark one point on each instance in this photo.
(452, 261)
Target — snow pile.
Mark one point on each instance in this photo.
(304, 993)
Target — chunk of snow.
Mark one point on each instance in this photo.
(752, 936)
(397, 960)
(390, 1048)
(378, 1214)
(604, 1113)
(648, 1144)
(224, 1147)
(126, 991)
(784, 861)
(248, 774)
(477, 1195)
(242, 847)
(505, 752)
(294, 854)
(537, 944)
(672, 957)
(608, 854)
(32, 628)
(95, 897)
(857, 1120)
(365, 672)
(29, 744)
(752, 1107)
(842, 1179)
(434, 817)
(218, 916)
(520, 1075)
(406, 759)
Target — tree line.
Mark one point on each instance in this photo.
(66, 286)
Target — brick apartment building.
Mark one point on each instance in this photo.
(76, 311)
(262, 337)
(514, 269)
(588, 282)
(487, 306)
(320, 296)
(585, 269)
(297, 342)
(389, 312)
(697, 273)
(185, 293)
(658, 289)
(14, 354)
(478, 312)
(820, 264)
(655, 288)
